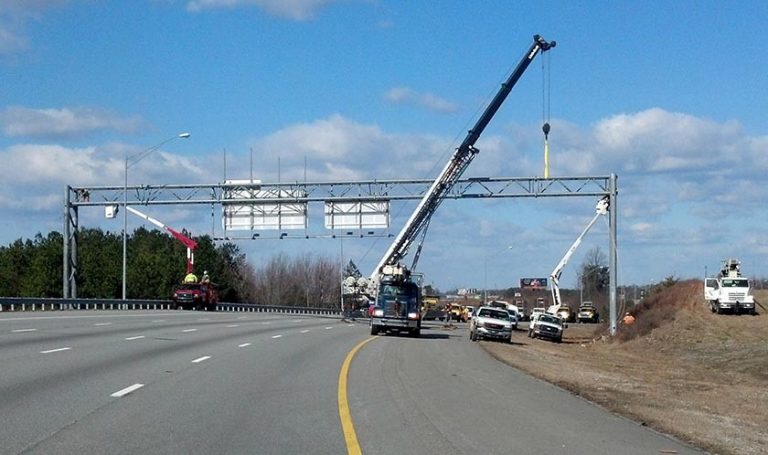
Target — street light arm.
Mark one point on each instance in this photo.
(135, 158)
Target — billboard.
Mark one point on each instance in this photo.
(533, 283)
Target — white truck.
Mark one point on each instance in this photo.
(729, 291)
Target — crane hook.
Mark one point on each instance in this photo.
(545, 129)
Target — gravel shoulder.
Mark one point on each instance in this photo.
(698, 376)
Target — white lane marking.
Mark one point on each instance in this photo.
(127, 390)
(243, 345)
(266, 323)
(135, 338)
(277, 336)
(230, 326)
(242, 317)
(328, 328)
(201, 359)
(189, 330)
(304, 331)
(23, 330)
(55, 350)
(159, 320)
(102, 323)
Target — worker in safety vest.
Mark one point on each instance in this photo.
(190, 278)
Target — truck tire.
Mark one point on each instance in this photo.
(374, 329)
(415, 333)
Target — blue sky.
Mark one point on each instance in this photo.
(670, 96)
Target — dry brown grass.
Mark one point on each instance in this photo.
(679, 369)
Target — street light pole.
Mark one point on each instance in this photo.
(129, 160)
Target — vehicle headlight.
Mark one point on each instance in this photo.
(413, 315)
(480, 323)
(378, 312)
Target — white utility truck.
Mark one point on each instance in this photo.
(729, 291)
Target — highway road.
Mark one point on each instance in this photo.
(153, 382)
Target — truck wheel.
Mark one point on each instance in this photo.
(374, 330)
(415, 333)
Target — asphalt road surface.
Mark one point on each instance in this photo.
(187, 382)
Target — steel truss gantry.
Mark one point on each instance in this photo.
(215, 195)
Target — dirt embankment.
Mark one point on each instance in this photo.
(680, 369)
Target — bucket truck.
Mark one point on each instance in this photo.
(730, 290)
(199, 296)
(396, 296)
(554, 278)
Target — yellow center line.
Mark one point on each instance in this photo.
(350, 437)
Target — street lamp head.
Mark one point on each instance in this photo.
(184, 135)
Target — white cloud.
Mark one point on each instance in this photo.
(14, 16)
(298, 10)
(407, 95)
(23, 121)
(337, 148)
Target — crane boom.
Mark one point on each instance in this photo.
(554, 277)
(455, 167)
(186, 241)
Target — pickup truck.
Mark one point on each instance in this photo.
(490, 322)
(546, 326)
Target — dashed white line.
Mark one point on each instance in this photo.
(55, 350)
(277, 336)
(138, 337)
(102, 323)
(201, 359)
(231, 326)
(189, 330)
(127, 390)
(23, 330)
(243, 345)
(328, 328)
(304, 331)
(242, 317)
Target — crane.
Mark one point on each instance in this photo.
(186, 241)
(396, 295)
(554, 278)
(455, 167)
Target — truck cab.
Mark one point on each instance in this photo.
(195, 296)
(397, 308)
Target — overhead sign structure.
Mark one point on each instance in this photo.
(357, 215)
(533, 283)
(247, 207)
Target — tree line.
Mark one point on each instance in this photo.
(156, 263)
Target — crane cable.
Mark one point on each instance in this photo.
(545, 108)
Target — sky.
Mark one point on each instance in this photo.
(672, 97)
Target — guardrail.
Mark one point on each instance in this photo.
(40, 304)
